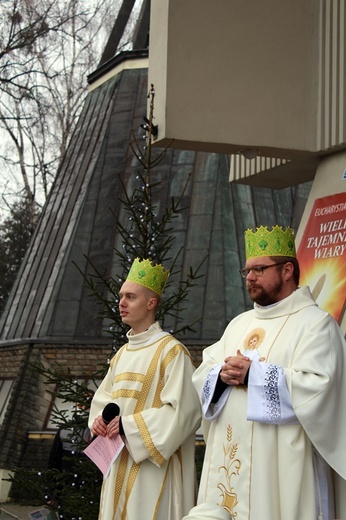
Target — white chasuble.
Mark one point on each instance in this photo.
(271, 446)
(150, 378)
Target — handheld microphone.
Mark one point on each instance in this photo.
(110, 411)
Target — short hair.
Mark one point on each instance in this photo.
(293, 261)
(152, 294)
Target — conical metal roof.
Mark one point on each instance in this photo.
(49, 302)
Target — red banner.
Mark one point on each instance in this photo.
(322, 253)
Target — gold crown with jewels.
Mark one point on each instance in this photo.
(276, 242)
(153, 277)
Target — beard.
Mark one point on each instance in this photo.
(265, 297)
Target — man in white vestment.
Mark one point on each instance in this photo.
(150, 379)
(273, 393)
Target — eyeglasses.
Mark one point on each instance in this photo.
(257, 270)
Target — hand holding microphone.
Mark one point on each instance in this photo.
(110, 411)
(110, 416)
(108, 422)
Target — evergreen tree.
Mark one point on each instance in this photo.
(15, 235)
(72, 487)
(145, 234)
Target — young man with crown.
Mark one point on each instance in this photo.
(150, 378)
(273, 392)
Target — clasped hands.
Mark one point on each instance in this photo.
(110, 430)
(235, 368)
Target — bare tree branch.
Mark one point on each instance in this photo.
(47, 49)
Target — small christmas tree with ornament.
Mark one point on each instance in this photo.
(145, 233)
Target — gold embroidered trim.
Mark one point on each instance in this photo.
(148, 442)
(149, 377)
(130, 483)
(157, 399)
(129, 376)
(117, 356)
(164, 364)
(171, 355)
(122, 392)
(119, 481)
(231, 468)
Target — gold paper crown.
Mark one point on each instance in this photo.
(153, 277)
(276, 242)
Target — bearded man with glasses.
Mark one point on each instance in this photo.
(274, 422)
